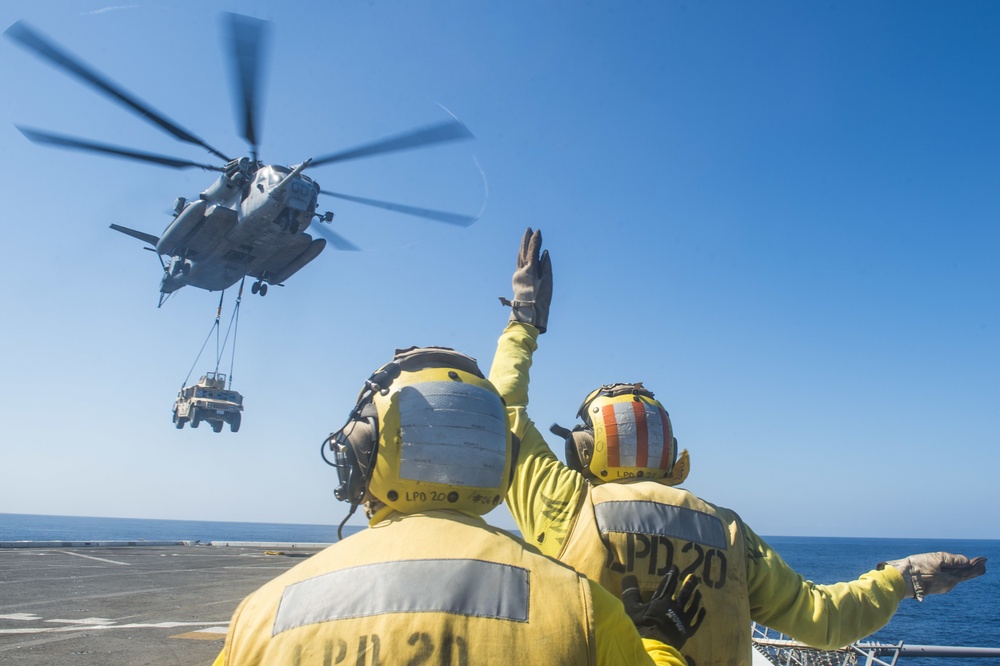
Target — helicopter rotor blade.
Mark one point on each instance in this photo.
(47, 50)
(450, 130)
(248, 40)
(334, 238)
(47, 138)
(436, 215)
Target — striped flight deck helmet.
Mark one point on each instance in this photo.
(429, 431)
(626, 434)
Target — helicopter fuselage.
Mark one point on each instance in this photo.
(249, 222)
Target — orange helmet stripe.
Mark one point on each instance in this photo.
(611, 430)
(641, 434)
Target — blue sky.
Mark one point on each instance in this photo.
(782, 217)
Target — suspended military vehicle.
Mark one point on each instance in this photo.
(211, 401)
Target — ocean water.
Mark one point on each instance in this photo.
(968, 616)
(24, 527)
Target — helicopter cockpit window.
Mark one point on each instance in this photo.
(276, 173)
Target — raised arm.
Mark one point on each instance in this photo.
(545, 494)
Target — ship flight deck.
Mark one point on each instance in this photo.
(130, 603)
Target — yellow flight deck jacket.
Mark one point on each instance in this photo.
(643, 526)
(439, 587)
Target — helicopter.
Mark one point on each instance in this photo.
(252, 220)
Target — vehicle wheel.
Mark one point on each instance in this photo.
(255, 287)
(217, 426)
(263, 289)
(178, 422)
(234, 425)
(193, 416)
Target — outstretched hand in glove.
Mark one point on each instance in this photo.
(670, 615)
(935, 573)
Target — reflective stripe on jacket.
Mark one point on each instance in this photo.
(437, 587)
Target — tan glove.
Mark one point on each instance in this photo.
(532, 283)
(935, 573)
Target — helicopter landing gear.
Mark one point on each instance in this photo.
(259, 287)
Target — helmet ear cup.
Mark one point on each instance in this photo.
(572, 457)
(580, 448)
(357, 445)
(579, 444)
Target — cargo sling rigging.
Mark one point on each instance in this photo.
(220, 343)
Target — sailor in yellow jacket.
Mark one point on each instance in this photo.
(428, 450)
(613, 511)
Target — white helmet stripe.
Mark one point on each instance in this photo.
(627, 436)
(654, 426)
